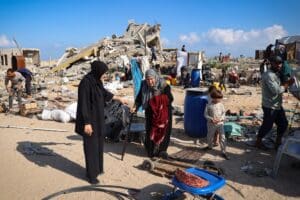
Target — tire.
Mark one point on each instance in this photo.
(148, 165)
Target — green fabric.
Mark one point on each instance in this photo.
(285, 72)
(233, 129)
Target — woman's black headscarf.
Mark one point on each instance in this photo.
(98, 69)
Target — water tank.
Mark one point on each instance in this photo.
(195, 77)
(17, 62)
(194, 106)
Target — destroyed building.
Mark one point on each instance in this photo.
(10, 56)
(144, 34)
(116, 51)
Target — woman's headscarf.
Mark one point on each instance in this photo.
(147, 91)
(98, 69)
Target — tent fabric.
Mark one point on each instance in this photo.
(289, 39)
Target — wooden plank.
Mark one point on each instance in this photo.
(25, 112)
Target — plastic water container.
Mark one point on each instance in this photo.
(195, 77)
(194, 106)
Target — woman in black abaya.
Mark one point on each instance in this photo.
(90, 118)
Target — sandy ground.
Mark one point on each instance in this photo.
(40, 176)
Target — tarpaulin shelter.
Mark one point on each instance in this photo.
(292, 44)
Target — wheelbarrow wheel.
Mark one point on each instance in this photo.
(148, 165)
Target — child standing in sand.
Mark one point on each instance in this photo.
(215, 115)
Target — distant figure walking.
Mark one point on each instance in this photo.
(223, 80)
(153, 54)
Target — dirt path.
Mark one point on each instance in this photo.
(25, 176)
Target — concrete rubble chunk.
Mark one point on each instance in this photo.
(136, 41)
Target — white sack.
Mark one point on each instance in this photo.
(60, 115)
(71, 110)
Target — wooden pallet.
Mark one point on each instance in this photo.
(183, 159)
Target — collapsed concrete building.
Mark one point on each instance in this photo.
(136, 41)
(13, 57)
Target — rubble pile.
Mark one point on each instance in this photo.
(116, 52)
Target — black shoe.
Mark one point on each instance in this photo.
(93, 181)
(224, 155)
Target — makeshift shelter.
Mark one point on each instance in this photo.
(292, 44)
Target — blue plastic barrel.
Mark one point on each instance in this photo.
(194, 106)
(195, 77)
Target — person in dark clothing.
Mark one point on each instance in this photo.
(90, 118)
(183, 48)
(157, 69)
(220, 57)
(153, 54)
(27, 74)
(223, 80)
(185, 77)
(269, 52)
(128, 75)
(264, 66)
(152, 87)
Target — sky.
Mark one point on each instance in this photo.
(238, 27)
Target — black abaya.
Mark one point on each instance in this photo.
(90, 110)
